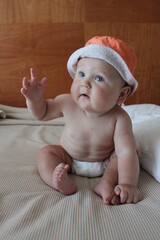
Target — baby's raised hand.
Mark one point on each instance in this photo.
(32, 90)
(128, 193)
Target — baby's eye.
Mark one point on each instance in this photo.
(81, 74)
(99, 78)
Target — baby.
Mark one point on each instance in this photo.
(97, 138)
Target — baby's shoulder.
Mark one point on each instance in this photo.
(63, 97)
(65, 101)
(122, 115)
(123, 123)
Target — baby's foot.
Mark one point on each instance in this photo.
(106, 190)
(61, 181)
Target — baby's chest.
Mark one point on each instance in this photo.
(92, 133)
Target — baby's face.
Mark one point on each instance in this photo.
(96, 86)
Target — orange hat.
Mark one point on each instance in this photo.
(112, 50)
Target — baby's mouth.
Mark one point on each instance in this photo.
(84, 95)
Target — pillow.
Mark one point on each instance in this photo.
(146, 128)
(2, 114)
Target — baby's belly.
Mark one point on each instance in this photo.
(86, 152)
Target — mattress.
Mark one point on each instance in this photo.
(29, 209)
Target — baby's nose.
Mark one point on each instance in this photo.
(86, 83)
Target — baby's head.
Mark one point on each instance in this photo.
(111, 50)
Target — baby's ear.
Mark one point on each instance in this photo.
(125, 91)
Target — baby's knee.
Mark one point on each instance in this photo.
(43, 153)
(49, 148)
(54, 152)
(43, 150)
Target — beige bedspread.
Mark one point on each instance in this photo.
(30, 210)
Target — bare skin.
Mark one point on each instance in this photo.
(105, 188)
(104, 131)
(61, 181)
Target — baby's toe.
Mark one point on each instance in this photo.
(115, 200)
(107, 199)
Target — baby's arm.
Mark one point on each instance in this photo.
(40, 108)
(128, 164)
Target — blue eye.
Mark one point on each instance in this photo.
(99, 78)
(81, 74)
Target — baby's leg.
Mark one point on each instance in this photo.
(105, 188)
(53, 165)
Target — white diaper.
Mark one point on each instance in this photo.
(88, 169)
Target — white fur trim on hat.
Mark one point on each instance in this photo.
(104, 53)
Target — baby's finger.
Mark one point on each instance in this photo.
(32, 72)
(24, 91)
(117, 190)
(123, 196)
(43, 82)
(25, 83)
(33, 78)
(130, 198)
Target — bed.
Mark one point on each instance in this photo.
(29, 209)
